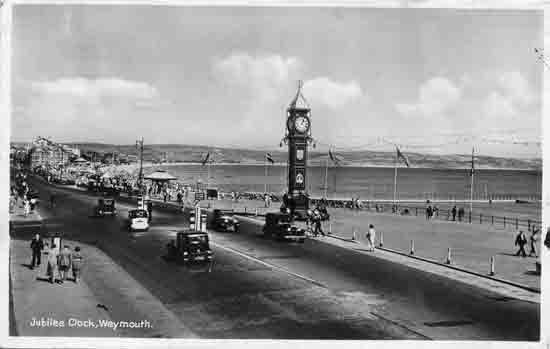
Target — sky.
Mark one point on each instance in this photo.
(429, 80)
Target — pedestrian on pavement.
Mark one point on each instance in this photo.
(51, 270)
(64, 263)
(76, 259)
(533, 242)
(454, 213)
(27, 206)
(36, 247)
(150, 210)
(460, 214)
(521, 241)
(371, 236)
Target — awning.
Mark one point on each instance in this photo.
(160, 175)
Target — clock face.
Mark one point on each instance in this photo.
(301, 124)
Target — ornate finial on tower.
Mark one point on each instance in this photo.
(297, 97)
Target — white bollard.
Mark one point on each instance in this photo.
(256, 211)
(330, 227)
(492, 271)
(381, 239)
(353, 237)
(412, 247)
(448, 261)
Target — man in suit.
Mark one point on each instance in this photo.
(36, 246)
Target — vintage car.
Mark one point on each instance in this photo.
(279, 225)
(190, 246)
(105, 207)
(225, 221)
(138, 220)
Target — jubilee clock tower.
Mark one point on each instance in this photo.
(298, 137)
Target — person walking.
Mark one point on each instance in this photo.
(533, 242)
(460, 214)
(150, 210)
(76, 266)
(454, 213)
(64, 263)
(27, 207)
(371, 237)
(521, 241)
(51, 270)
(318, 229)
(36, 247)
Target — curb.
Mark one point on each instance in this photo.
(504, 281)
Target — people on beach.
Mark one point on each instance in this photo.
(64, 263)
(76, 260)
(36, 248)
(370, 237)
(521, 241)
(533, 242)
(428, 212)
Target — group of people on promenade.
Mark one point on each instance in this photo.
(521, 241)
(21, 190)
(58, 261)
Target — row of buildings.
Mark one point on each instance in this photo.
(44, 152)
(47, 153)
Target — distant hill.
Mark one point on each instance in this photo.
(194, 153)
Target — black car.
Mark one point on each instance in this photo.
(225, 221)
(105, 206)
(190, 246)
(279, 225)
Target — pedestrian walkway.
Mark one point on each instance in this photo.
(44, 309)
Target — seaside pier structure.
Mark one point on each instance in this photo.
(298, 138)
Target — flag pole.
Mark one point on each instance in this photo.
(395, 180)
(326, 178)
(208, 178)
(472, 182)
(265, 175)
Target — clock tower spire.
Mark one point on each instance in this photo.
(298, 137)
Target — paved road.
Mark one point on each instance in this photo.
(323, 292)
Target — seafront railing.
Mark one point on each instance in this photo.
(444, 214)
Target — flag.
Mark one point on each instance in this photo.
(402, 156)
(473, 167)
(269, 158)
(205, 160)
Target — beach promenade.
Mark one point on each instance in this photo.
(472, 245)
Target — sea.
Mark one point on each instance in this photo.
(369, 183)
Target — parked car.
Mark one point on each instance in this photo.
(105, 207)
(225, 221)
(138, 220)
(279, 226)
(190, 246)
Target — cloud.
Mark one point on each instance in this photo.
(498, 106)
(96, 88)
(260, 75)
(436, 96)
(515, 87)
(330, 93)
